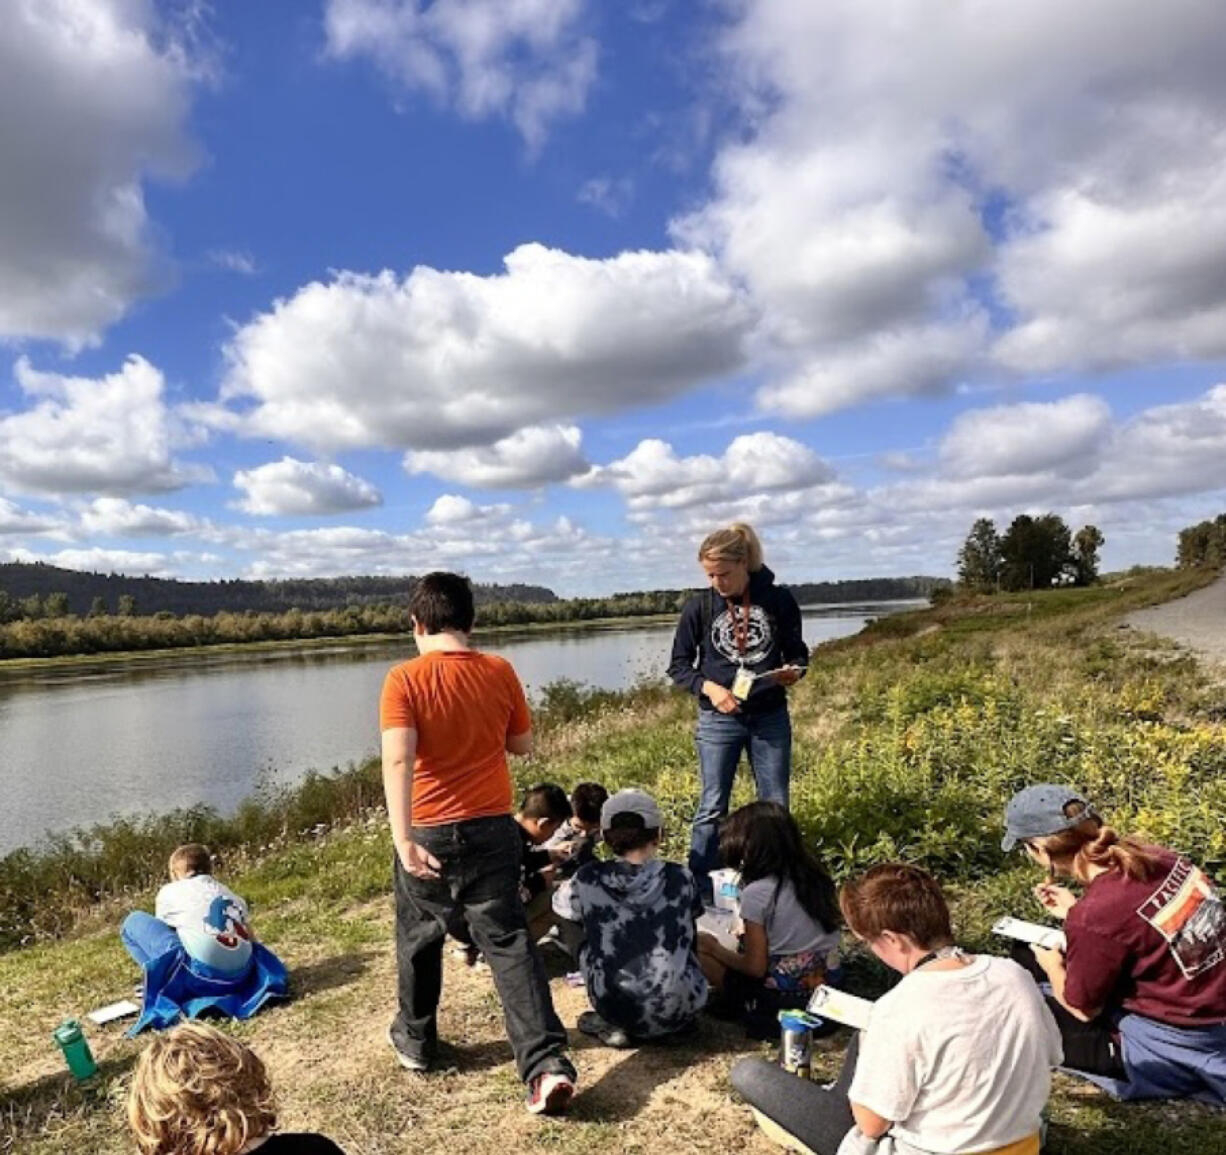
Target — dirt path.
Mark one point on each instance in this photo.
(1197, 621)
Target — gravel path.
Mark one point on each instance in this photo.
(1197, 621)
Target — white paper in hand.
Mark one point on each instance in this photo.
(1031, 932)
(827, 1003)
(720, 925)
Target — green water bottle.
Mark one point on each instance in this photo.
(76, 1049)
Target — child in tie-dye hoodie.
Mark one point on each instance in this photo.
(639, 913)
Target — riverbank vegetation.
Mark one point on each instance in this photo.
(908, 740)
(43, 627)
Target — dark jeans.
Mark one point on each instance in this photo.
(480, 879)
(818, 1116)
(720, 739)
(1093, 1047)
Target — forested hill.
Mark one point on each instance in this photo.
(865, 590)
(153, 595)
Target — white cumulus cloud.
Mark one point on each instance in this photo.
(94, 560)
(527, 61)
(1063, 436)
(441, 360)
(527, 458)
(652, 476)
(451, 509)
(110, 435)
(290, 486)
(14, 520)
(1039, 191)
(116, 517)
(94, 98)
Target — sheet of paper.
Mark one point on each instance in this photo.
(721, 925)
(1033, 932)
(113, 1011)
(827, 1003)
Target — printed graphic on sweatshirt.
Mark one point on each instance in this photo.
(225, 923)
(1187, 911)
(759, 637)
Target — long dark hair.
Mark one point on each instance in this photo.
(762, 840)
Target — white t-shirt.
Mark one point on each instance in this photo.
(960, 1060)
(211, 920)
(790, 929)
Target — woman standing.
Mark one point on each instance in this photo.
(1139, 991)
(738, 644)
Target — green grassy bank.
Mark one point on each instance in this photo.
(908, 740)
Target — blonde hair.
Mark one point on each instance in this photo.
(198, 1091)
(1092, 843)
(191, 858)
(737, 543)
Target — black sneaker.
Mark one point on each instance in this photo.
(590, 1023)
(409, 1060)
(550, 1093)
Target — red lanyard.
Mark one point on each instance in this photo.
(741, 624)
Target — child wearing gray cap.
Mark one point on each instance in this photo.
(639, 912)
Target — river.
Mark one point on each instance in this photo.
(82, 744)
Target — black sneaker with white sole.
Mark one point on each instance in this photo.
(590, 1023)
(409, 1059)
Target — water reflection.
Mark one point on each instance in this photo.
(86, 741)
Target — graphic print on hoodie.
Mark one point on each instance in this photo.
(705, 648)
(639, 961)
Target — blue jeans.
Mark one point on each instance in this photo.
(147, 937)
(720, 738)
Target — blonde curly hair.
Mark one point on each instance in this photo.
(197, 1091)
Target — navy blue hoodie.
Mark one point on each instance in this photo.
(774, 639)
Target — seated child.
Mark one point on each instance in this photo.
(790, 914)
(956, 1057)
(198, 951)
(639, 912)
(574, 844)
(576, 840)
(541, 813)
(198, 1090)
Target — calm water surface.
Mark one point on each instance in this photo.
(81, 744)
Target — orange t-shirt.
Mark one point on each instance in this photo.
(464, 705)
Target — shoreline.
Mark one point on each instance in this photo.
(334, 641)
(327, 641)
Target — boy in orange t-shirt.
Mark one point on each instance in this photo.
(449, 718)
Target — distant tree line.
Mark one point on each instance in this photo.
(867, 590)
(1203, 544)
(44, 625)
(102, 593)
(1033, 553)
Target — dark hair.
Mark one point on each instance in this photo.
(762, 840)
(629, 832)
(897, 897)
(443, 601)
(545, 800)
(587, 799)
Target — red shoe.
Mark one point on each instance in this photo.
(550, 1093)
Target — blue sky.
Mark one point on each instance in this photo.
(545, 289)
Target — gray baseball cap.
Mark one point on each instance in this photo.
(1039, 811)
(631, 802)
